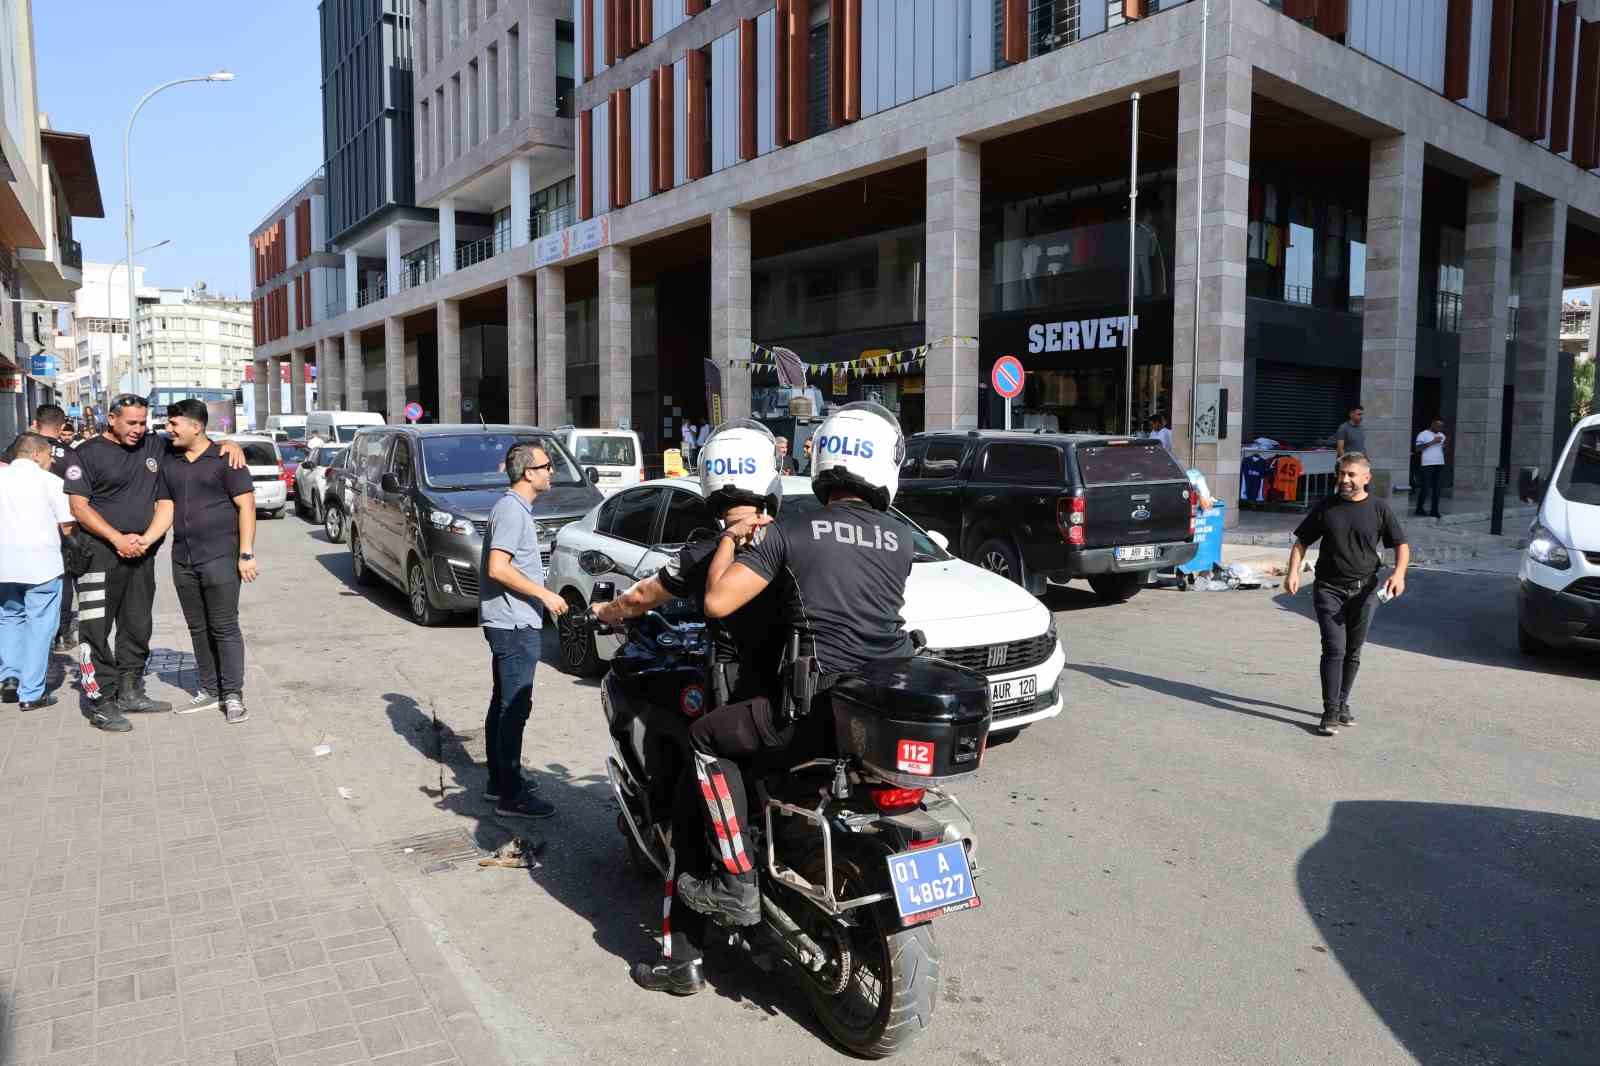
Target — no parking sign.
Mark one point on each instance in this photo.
(1007, 378)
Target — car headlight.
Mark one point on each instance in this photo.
(1547, 549)
(446, 520)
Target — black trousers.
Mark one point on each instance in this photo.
(683, 928)
(1344, 613)
(1429, 490)
(117, 593)
(209, 594)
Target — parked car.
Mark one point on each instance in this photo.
(422, 496)
(311, 479)
(285, 427)
(634, 532)
(615, 455)
(1558, 602)
(336, 496)
(291, 453)
(1047, 507)
(340, 427)
(262, 459)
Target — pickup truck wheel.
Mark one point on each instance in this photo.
(997, 556)
(1115, 588)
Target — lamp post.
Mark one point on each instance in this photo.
(111, 356)
(127, 205)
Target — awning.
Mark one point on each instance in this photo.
(73, 160)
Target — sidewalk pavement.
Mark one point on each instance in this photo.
(181, 894)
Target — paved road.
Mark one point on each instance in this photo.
(1178, 871)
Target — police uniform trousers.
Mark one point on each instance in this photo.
(117, 593)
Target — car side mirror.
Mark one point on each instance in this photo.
(1530, 486)
(592, 474)
(940, 539)
(596, 564)
(389, 483)
(603, 592)
(306, 464)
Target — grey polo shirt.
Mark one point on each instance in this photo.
(511, 530)
(1354, 437)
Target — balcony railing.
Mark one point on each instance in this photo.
(72, 254)
(483, 248)
(374, 292)
(420, 267)
(544, 223)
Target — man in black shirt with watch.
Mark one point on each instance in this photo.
(1351, 525)
(111, 483)
(211, 509)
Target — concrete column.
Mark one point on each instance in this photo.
(352, 280)
(616, 336)
(730, 307)
(551, 315)
(448, 317)
(1225, 174)
(1486, 287)
(330, 375)
(391, 242)
(355, 372)
(275, 388)
(297, 381)
(263, 376)
(1389, 317)
(520, 351)
(394, 369)
(521, 199)
(1544, 256)
(447, 236)
(954, 202)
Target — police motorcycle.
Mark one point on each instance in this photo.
(858, 851)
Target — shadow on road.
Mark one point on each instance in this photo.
(1471, 931)
(380, 592)
(1199, 694)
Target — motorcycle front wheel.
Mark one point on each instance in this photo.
(878, 993)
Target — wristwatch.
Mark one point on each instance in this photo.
(247, 557)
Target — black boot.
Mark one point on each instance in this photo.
(725, 899)
(8, 690)
(1345, 717)
(134, 700)
(1329, 726)
(679, 978)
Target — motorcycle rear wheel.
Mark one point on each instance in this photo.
(894, 972)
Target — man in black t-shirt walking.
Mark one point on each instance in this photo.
(1350, 526)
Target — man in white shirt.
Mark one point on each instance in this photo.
(1430, 446)
(34, 513)
(691, 442)
(1160, 431)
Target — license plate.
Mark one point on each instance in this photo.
(1136, 553)
(609, 475)
(931, 882)
(1013, 690)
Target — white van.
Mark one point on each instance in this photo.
(286, 427)
(1559, 602)
(615, 455)
(339, 427)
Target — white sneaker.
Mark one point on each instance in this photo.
(202, 702)
(234, 710)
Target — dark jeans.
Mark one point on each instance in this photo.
(120, 593)
(1429, 490)
(209, 594)
(516, 655)
(1344, 612)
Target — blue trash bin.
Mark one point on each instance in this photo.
(1208, 535)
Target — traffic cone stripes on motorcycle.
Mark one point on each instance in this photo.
(719, 805)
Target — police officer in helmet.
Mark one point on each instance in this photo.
(740, 481)
(841, 575)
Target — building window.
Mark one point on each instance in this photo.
(566, 68)
(474, 105)
(502, 230)
(491, 95)
(455, 116)
(441, 144)
(424, 138)
(514, 73)
(555, 207)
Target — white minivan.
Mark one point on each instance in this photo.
(614, 454)
(285, 427)
(339, 427)
(1558, 605)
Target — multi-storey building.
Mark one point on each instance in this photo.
(1337, 202)
(98, 326)
(190, 338)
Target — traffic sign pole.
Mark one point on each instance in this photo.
(1006, 379)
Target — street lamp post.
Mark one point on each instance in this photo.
(112, 361)
(127, 207)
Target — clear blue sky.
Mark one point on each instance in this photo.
(209, 160)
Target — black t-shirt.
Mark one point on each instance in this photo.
(120, 482)
(1350, 531)
(205, 521)
(843, 570)
(754, 635)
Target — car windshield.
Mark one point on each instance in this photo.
(605, 451)
(923, 549)
(346, 434)
(477, 460)
(1580, 474)
(258, 453)
(293, 453)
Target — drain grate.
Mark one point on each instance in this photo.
(431, 853)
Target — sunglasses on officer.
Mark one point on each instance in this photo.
(127, 399)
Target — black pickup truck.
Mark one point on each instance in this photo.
(1043, 507)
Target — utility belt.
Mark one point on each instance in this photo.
(804, 680)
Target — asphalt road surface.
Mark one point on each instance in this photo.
(1177, 869)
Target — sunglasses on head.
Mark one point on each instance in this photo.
(127, 399)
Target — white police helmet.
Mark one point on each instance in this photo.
(859, 448)
(739, 465)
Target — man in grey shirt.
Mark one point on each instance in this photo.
(1350, 437)
(510, 594)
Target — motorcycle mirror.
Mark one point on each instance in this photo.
(1530, 486)
(603, 592)
(596, 564)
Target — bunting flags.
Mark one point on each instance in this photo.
(764, 360)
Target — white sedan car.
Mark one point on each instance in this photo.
(262, 459)
(632, 534)
(311, 480)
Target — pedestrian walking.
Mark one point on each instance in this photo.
(50, 422)
(805, 458)
(511, 593)
(1430, 448)
(786, 463)
(1160, 432)
(34, 514)
(211, 510)
(112, 485)
(1350, 437)
(1350, 525)
(690, 442)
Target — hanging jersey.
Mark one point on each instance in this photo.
(1286, 478)
(1252, 478)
